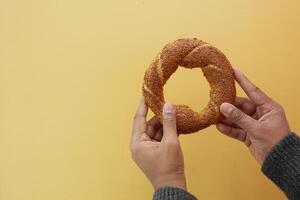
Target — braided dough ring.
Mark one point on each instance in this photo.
(190, 53)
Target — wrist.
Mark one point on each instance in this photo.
(177, 181)
(272, 143)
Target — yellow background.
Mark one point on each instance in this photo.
(70, 81)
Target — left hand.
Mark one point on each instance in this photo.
(156, 149)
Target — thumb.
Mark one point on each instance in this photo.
(169, 123)
(236, 116)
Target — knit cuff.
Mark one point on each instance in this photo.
(172, 193)
(282, 165)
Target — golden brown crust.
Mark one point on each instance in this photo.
(190, 53)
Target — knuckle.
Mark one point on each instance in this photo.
(236, 115)
(280, 111)
(274, 105)
(254, 89)
(137, 116)
(133, 149)
(133, 157)
(277, 107)
(228, 130)
(280, 108)
(173, 143)
(169, 118)
(256, 129)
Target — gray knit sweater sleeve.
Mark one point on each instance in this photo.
(282, 166)
(172, 193)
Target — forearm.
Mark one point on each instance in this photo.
(282, 166)
(172, 193)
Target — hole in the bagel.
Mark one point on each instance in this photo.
(188, 87)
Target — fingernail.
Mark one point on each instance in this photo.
(168, 108)
(226, 108)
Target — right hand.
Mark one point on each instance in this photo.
(156, 148)
(258, 121)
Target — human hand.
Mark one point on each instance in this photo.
(259, 121)
(156, 149)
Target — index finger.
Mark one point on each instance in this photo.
(245, 104)
(139, 121)
(252, 91)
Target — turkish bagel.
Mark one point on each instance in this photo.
(190, 53)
